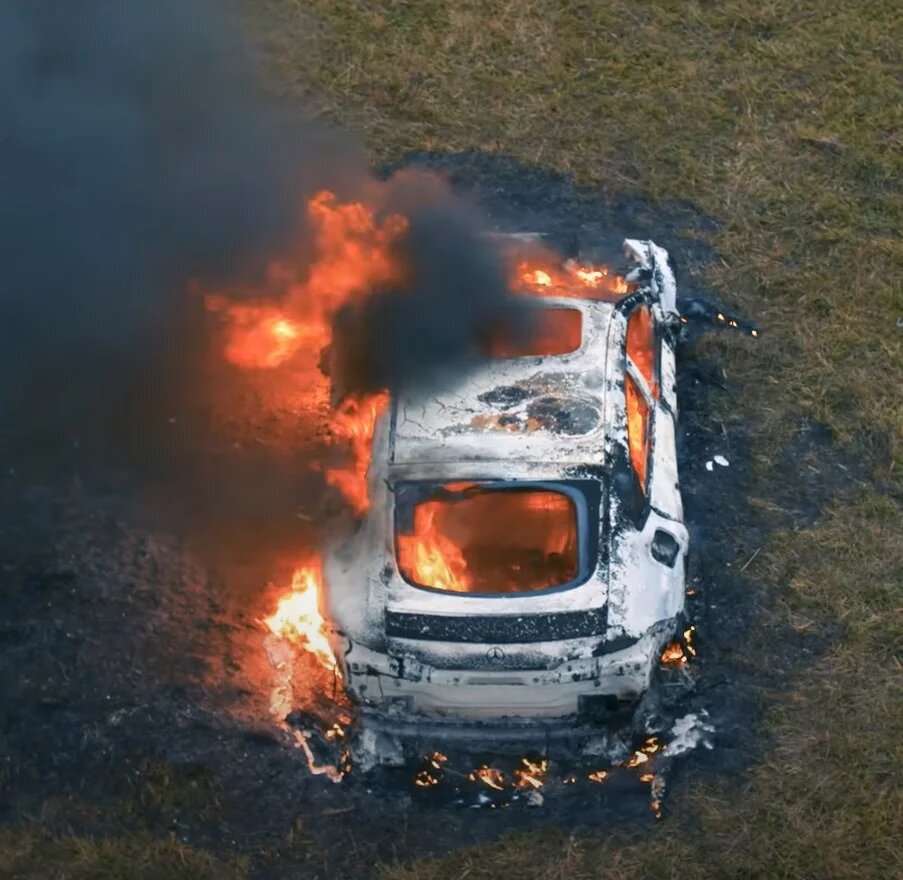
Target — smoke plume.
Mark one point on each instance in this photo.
(141, 159)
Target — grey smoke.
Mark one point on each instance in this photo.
(136, 153)
(139, 156)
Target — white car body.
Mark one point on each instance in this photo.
(412, 653)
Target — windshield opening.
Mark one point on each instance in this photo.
(489, 539)
(553, 331)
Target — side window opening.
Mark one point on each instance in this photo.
(638, 430)
(643, 346)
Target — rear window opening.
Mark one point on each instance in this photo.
(554, 331)
(487, 538)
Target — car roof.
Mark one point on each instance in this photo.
(538, 408)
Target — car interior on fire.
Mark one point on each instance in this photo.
(556, 330)
(488, 538)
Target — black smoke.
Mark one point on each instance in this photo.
(422, 333)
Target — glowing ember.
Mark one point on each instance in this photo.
(298, 619)
(531, 773)
(436, 760)
(641, 756)
(489, 776)
(424, 779)
(598, 776)
(673, 655)
(336, 731)
(689, 635)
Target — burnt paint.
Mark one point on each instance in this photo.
(505, 396)
(562, 415)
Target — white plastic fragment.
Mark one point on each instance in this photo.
(709, 466)
(720, 459)
(687, 733)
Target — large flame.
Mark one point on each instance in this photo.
(467, 543)
(430, 558)
(351, 255)
(297, 617)
(290, 324)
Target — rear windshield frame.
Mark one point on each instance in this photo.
(585, 495)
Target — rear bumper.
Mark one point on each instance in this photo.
(403, 688)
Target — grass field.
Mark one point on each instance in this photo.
(783, 121)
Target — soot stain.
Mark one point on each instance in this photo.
(562, 416)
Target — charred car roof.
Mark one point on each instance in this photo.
(522, 407)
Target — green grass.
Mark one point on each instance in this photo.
(783, 121)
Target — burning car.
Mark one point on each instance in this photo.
(523, 555)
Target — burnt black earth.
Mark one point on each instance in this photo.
(122, 654)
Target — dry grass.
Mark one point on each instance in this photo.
(782, 121)
(28, 852)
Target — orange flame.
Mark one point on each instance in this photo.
(467, 545)
(489, 776)
(354, 422)
(531, 773)
(543, 275)
(673, 655)
(428, 557)
(642, 754)
(298, 618)
(350, 253)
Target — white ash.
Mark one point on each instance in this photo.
(687, 733)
